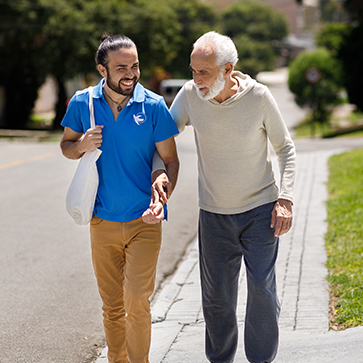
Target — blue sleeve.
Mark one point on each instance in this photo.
(72, 118)
(164, 125)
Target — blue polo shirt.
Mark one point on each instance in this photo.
(128, 146)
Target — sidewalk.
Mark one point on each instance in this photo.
(178, 328)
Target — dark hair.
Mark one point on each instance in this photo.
(110, 43)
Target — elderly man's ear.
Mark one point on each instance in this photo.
(228, 68)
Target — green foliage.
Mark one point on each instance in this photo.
(254, 57)
(59, 38)
(257, 31)
(153, 25)
(344, 240)
(44, 37)
(351, 55)
(251, 17)
(21, 42)
(332, 11)
(332, 35)
(325, 92)
(195, 18)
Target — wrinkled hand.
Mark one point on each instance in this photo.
(281, 217)
(154, 214)
(92, 139)
(161, 188)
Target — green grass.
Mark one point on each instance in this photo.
(304, 128)
(344, 240)
(356, 116)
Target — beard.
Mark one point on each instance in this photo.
(214, 90)
(117, 87)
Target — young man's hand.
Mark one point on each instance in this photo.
(154, 214)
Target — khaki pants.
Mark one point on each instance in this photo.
(124, 259)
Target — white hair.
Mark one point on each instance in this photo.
(223, 47)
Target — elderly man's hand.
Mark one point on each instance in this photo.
(282, 217)
(161, 188)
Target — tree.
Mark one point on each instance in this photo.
(258, 31)
(351, 55)
(332, 36)
(21, 72)
(75, 27)
(60, 38)
(195, 19)
(254, 56)
(332, 11)
(315, 80)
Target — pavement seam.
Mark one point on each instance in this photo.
(303, 248)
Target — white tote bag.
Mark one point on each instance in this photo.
(81, 195)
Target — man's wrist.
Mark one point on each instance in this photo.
(285, 200)
(157, 173)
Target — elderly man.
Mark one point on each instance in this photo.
(242, 211)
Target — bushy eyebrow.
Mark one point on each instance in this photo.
(125, 65)
(195, 70)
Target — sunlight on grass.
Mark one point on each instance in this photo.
(304, 129)
(344, 240)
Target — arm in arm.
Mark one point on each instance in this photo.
(164, 181)
(160, 180)
(167, 151)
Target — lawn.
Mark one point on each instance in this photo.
(344, 240)
(354, 119)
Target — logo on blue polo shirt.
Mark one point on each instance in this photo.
(140, 118)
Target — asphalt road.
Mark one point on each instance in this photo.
(50, 311)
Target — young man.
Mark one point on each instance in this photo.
(242, 211)
(131, 123)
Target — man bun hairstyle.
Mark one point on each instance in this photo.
(111, 43)
(223, 46)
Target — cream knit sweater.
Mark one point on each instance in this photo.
(235, 171)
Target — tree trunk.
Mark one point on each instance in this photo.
(61, 106)
(21, 92)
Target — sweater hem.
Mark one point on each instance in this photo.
(238, 210)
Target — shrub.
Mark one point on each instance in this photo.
(324, 93)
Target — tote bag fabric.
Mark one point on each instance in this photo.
(81, 195)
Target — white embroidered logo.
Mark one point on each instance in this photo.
(140, 118)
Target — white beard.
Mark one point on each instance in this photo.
(213, 91)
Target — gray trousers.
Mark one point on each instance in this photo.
(223, 241)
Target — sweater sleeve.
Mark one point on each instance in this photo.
(179, 113)
(282, 143)
(179, 108)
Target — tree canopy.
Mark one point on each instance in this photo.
(257, 31)
(41, 38)
(315, 79)
(344, 40)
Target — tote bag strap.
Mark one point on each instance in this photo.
(91, 109)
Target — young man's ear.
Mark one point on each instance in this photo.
(102, 70)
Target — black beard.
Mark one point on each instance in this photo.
(117, 87)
